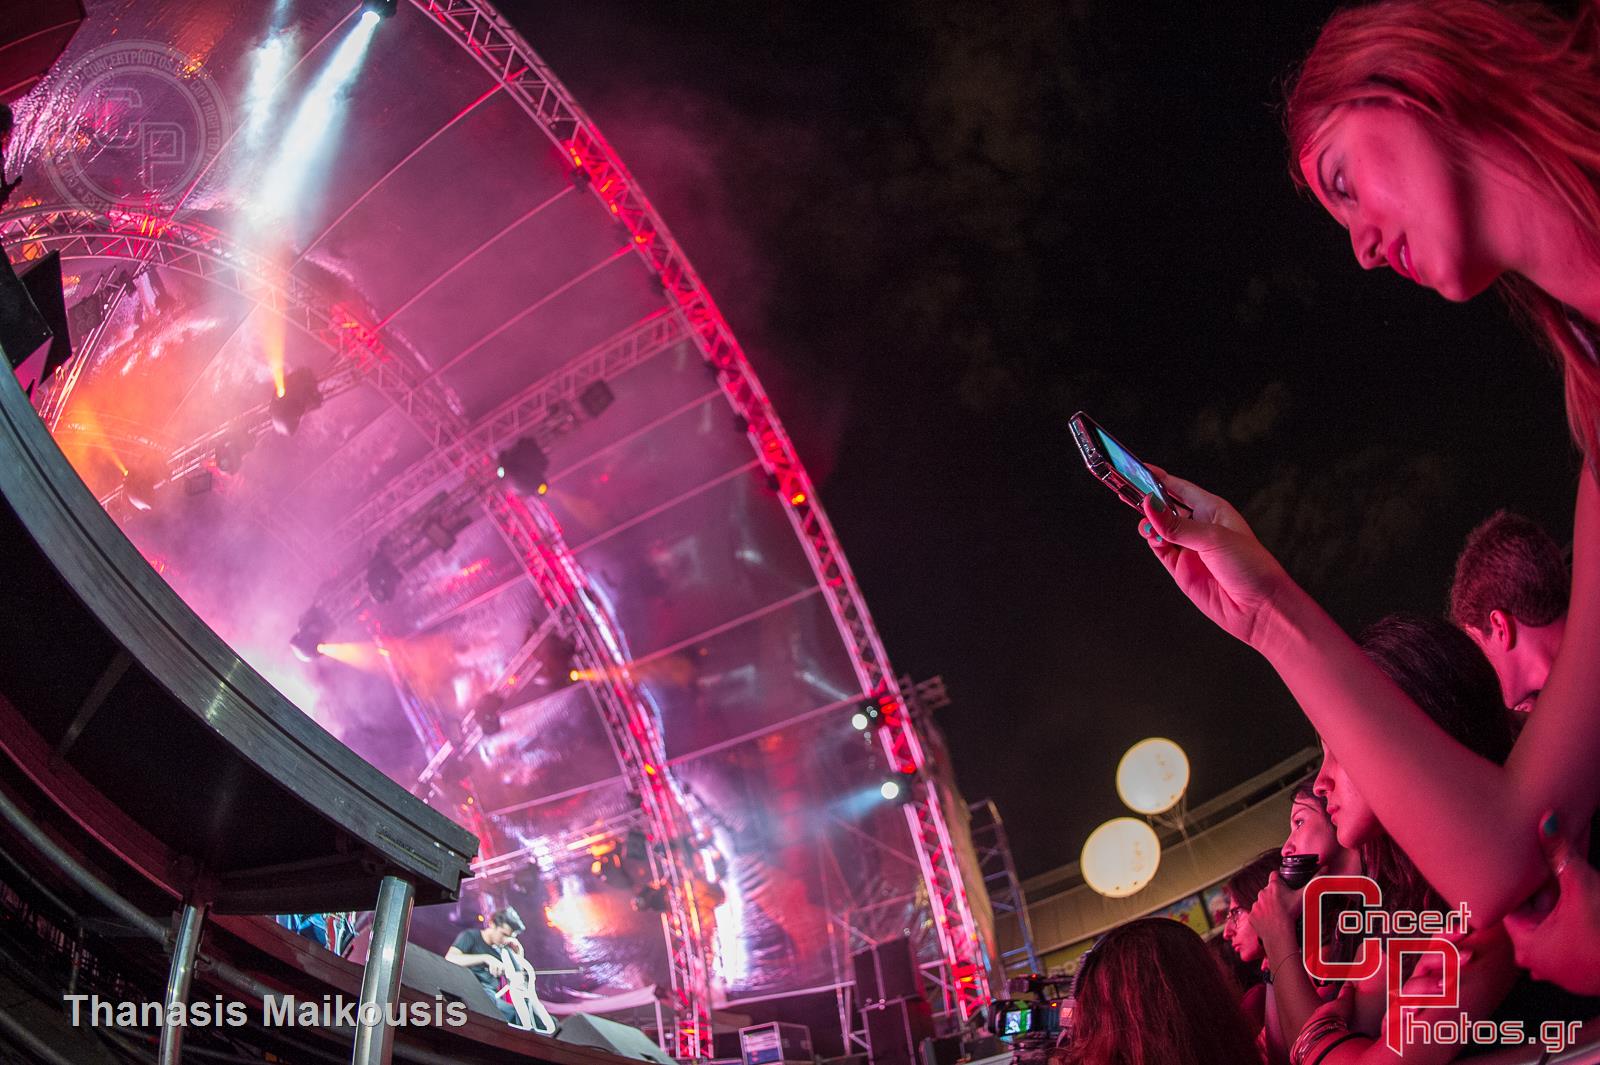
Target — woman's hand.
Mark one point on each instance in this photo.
(1215, 559)
(1560, 943)
(1273, 918)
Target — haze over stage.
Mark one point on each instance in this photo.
(455, 268)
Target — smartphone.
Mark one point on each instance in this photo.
(1116, 467)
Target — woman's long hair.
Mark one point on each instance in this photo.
(1150, 993)
(1512, 78)
(1251, 880)
(1445, 674)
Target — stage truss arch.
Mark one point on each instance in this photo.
(461, 444)
(502, 52)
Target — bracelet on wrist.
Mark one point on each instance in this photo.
(1275, 966)
(1324, 1027)
(1329, 1048)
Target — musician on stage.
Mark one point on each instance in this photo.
(485, 953)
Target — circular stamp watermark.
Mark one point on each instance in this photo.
(135, 122)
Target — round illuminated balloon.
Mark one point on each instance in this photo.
(1120, 857)
(1152, 776)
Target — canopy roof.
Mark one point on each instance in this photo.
(456, 284)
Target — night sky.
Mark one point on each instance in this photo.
(940, 228)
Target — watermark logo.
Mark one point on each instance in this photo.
(1388, 939)
(134, 124)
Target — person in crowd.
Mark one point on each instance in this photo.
(1245, 979)
(1510, 595)
(1242, 889)
(1311, 831)
(1150, 993)
(483, 953)
(1459, 143)
(1576, 913)
(1443, 673)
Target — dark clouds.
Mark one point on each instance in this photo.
(940, 228)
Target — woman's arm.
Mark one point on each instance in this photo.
(1276, 1046)
(1459, 817)
(1454, 813)
(1272, 917)
(1487, 973)
(1552, 766)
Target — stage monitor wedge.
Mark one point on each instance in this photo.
(584, 1030)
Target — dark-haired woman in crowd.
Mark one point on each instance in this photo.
(1440, 668)
(1295, 997)
(1311, 831)
(1459, 143)
(1260, 1006)
(1150, 993)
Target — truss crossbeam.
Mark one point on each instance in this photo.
(523, 413)
(507, 58)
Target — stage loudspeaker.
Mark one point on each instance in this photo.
(941, 1050)
(896, 1029)
(429, 974)
(26, 336)
(886, 971)
(583, 1030)
(33, 37)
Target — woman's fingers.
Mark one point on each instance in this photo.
(1557, 847)
(1196, 532)
(1197, 499)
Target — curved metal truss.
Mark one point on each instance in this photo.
(630, 721)
(502, 52)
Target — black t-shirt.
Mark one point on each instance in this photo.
(471, 941)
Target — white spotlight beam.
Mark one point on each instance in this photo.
(315, 124)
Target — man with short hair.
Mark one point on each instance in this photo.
(484, 953)
(1510, 596)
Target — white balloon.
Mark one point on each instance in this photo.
(1152, 776)
(1120, 857)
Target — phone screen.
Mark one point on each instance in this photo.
(1132, 470)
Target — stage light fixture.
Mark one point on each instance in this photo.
(651, 899)
(487, 713)
(380, 8)
(139, 487)
(859, 721)
(231, 450)
(525, 465)
(300, 397)
(383, 577)
(439, 535)
(866, 716)
(556, 667)
(596, 398)
(897, 788)
(315, 627)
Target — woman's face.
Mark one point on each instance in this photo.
(1352, 818)
(1310, 832)
(1383, 175)
(1240, 936)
